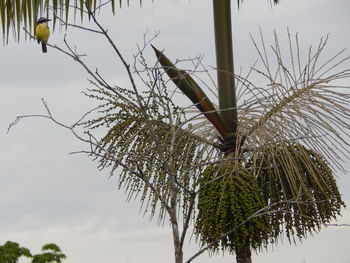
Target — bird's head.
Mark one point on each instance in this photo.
(43, 20)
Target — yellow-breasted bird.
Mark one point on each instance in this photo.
(42, 32)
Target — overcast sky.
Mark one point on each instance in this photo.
(47, 195)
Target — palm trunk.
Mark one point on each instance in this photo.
(224, 61)
(226, 84)
(244, 254)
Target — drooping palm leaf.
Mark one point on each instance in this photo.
(18, 13)
(26, 12)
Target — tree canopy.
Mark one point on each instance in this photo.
(11, 252)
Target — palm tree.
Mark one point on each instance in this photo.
(273, 150)
(275, 160)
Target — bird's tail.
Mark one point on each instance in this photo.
(43, 46)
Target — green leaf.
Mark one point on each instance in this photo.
(10, 252)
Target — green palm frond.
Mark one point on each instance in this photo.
(25, 13)
(18, 13)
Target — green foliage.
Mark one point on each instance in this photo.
(26, 12)
(51, 254)
(10, 252)
(15, 13)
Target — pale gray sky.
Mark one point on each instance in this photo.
(47, 195)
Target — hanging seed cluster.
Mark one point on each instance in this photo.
(144, 142)
(295, 185)
(228, 198)
(301, 186)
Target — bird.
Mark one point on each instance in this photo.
(42, 32)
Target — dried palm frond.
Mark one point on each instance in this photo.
(304, 103)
